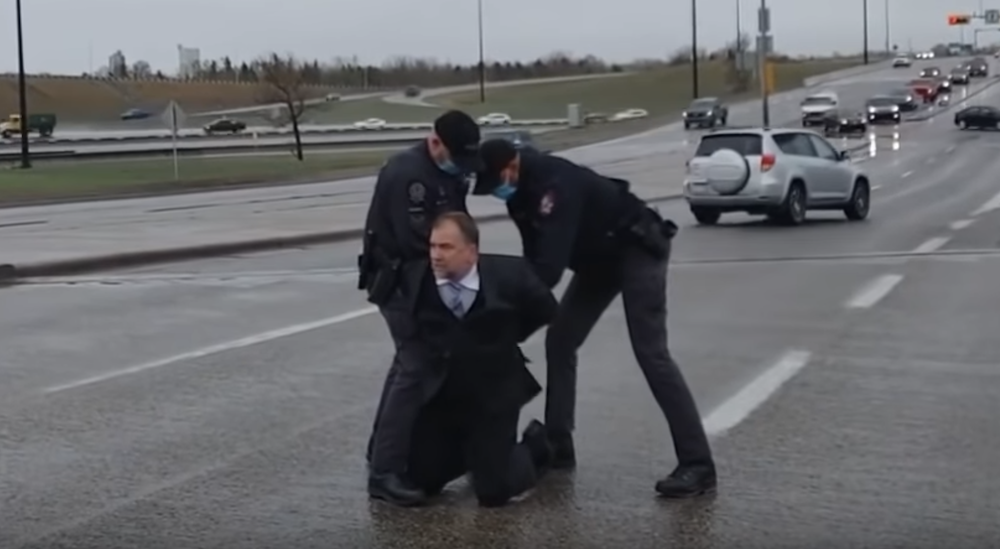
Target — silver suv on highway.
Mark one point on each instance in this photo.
(779, 173)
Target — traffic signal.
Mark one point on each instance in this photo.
(959, 19)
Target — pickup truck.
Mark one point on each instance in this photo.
(42, 124)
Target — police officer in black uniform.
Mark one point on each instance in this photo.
(413, 188)
(571, 217)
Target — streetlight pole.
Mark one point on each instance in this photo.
(764, 27)
(888, 35)
(22, 87)
(694, 49)
(864, 4)
(482, 58)
(739, 29)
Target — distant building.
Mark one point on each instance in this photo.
(188, 61)
(117, 65)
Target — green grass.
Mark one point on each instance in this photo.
(107, 178)
(660, 91)
(348, 112)
(663, 91)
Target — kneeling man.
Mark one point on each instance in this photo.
(471, 311)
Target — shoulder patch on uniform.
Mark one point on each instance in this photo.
(417, 191)
(547, 203)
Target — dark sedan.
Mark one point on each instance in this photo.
(882, 108)
(844, 122)
(225, 125)
(930, 72)
(706, 111)
(978, 117)
(959, 76)
(979, 68)
(905, 99)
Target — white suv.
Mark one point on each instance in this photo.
(780, 173)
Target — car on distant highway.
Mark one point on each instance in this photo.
(841, 122)
(135, 114)
(980, 117)
(882, 108)
(959, 75)
(629, 114)
(815, 108)
(930, 72)
(902, 61)
(925, 55)
(411, 91)
(370, 124)
(519, 138)
(706, 112)
(904, 99)
(331, 97)
(780, 173)
(495, 119)
(979, 68)
(225, 125)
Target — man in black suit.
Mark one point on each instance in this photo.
(470, 313)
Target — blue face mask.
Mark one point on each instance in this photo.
(504, 191)
(449, 167)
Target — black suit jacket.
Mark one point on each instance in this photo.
(477, 359)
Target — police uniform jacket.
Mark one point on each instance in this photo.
(477, 358)
(569, 216)
(410, 192)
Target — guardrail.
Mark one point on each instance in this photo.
(166, 150)
(250, 133)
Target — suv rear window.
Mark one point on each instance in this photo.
(747, 144)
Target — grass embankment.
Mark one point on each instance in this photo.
(664, 93)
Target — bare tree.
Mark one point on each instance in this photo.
(284, 84)
(141, 69)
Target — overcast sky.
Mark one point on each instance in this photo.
(73, 36)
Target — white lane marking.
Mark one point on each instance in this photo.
(737, 408)
(907, 174)
(961, 224)
(874, 292)
(991, 204)
(215, 349)
(931, 245)
(950, 149)
(876, 187)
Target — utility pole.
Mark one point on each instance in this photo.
(763, 48)
(22, 88)
(694, 49)
(864, 4)
(888, 41)
(482, 57)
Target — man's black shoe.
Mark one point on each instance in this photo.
(395, 489)
(536, 438)
(564, 454)
(688, 482)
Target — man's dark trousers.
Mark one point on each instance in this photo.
(642, 280)
(401, 400)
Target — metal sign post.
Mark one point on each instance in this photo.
(763, 48)
(173, 118)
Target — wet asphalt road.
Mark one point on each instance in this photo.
(846, 371)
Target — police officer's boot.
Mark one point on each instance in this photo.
(688, 481)
(563, 451)
(536, 439)
(395, 489)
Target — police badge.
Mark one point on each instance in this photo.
(417, 192)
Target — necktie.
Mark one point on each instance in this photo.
(453, 299)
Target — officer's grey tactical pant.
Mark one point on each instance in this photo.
(402, 396)
(642, 281)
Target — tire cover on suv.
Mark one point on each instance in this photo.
(727, 172)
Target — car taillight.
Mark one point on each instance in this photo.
(766, 162)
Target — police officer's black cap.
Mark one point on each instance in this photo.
(496, 155)
(459, 133)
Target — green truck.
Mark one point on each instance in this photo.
(42, 124)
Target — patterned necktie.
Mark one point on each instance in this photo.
(453, 299)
